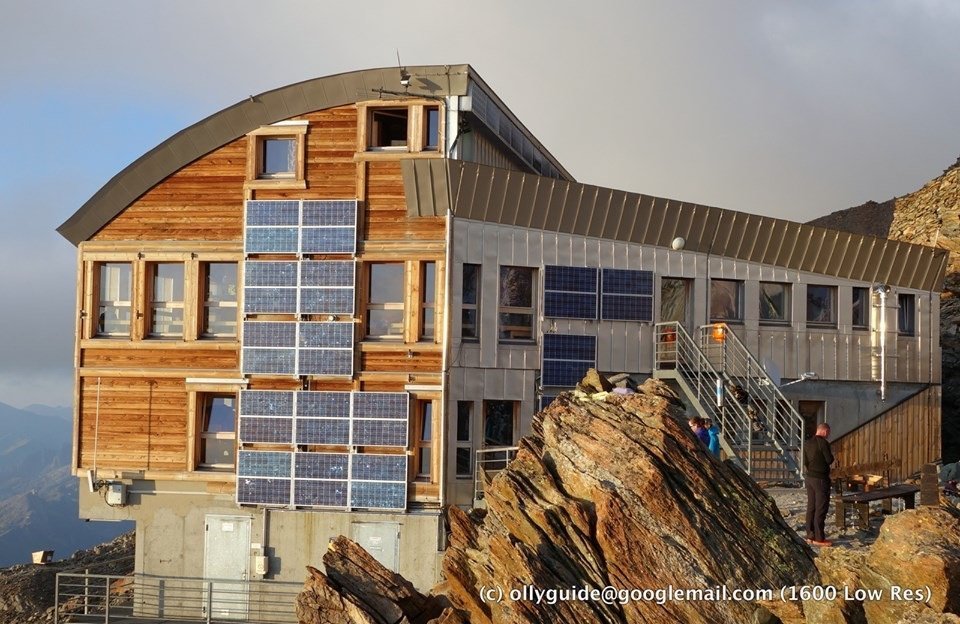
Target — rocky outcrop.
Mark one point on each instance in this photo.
(614, 491)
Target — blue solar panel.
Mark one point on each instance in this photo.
(266, 403)
(330, 212)
(309, 493)
(570, 279)
(333, 431)
(312, 404)
(333, 240)
(263, 491)
(325, 362)
(627, 282)
(264, 463)
(569, 305)
(566, 359)
(271, 240)
(328, 273)
(570, 292)
(626, 308)
(381, 405)
(373, 467)
(258, 361)
(546, 400)
(273, 212)
(378, 495)
(269, 334)
(258, 273)
(326, 335)
(375, 432)
(264, 430)
(270, 301)
(326, 301)
(322, 466)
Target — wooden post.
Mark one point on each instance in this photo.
(929, 486)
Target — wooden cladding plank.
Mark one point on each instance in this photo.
(392, 361)
(146, 357)
(385, 214)
(133, 423)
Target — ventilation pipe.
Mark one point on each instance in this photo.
(882, 290)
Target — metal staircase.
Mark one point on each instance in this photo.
(759, 428)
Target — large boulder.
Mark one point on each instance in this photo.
(614, 491)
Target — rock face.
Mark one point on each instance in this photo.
(614, 491)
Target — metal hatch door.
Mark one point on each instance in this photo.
(380, 539)
(226, 558)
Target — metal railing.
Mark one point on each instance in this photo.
(730, 387)
(106, 599)
(490, 461)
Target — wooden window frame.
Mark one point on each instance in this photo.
(296, 130)
(401, 305)
(428, 305)
(152, 305)
(416, 129)
(98, 301)
(206, 303)
(198, 403)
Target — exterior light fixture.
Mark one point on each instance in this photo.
(719, 332)
(678, 243)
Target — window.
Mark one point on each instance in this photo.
(774, 302)
(428, 306)
(218, 431)
(431, 127)
(821, 306)
(423, 436)
(726, 300)
(166, 301)
(113, 308)
(275, 156)
(861, 308)
(516, 309)
(385, 301)
(498, 423)
(674, 300)
(464, 452)
(220, 300)
(469, 329)
(388, 128)
(906, 314)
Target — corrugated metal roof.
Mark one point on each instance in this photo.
(520, 199)
(234, 122)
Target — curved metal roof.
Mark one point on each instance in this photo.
(520, 199)
(234, 122)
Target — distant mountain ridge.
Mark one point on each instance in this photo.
(38, 493)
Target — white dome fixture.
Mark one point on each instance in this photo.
(678, 243)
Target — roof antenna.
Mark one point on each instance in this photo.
(404, 74)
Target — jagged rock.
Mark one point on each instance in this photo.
(660, 388)
(839, 568)
(357, 589)
(616, 492)
(916, 549)
(593, 382)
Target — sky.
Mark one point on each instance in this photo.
(787, 109)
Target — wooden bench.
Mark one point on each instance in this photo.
(861, 502)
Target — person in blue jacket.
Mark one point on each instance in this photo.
(714, 433)
(698, 426)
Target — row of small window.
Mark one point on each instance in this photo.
(217, 438)
(726, 305)
(165, 301)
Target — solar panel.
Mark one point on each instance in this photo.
(261, 491)
(257, 361)
(311, 493)
(330, 212)
(627, 295)
(272, 212)
(375, 432)
(259, 273)
(328, 273)
(315, 335)
(378, 495)
(570, 292)
(266, 403)
(266, 416)
(325, 362)
(566, 358)
(546, 400)
(326, 301)
(381, 405)
(323, 404)
(333, 240)
(327, 287)
(264, 463)
(274, 334)
(263, 477)
(271, 240)
(269, 348)
(270, 301)
(334, 431)
(374, 467)
(333, 466)
(257, 429)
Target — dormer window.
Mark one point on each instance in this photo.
(401, 126)
(388, 128)
(275, 156)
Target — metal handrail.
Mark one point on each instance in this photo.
(107, 598)
(489, 461)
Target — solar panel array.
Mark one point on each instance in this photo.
(338, 478)
(297, 348)
(566, 358)
(572, 292)
(301, 227)
(306, 287)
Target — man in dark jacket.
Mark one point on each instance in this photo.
(816, 467)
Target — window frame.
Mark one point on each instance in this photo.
(464, 442)
(466, 306)
(428, 303)
(866, 303)
(384, 306)
(911, 311)
(832, 323)
(515, 411)
(204, 403)
(417, 128)
(787, 304)
(101, 303)
(295, 130)
(738, 300)
(530, 310)
(206, 303)
(153, 304)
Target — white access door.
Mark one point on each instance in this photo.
(380, 539)
(226, 560)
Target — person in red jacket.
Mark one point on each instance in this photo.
(817, 458)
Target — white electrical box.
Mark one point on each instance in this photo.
(116, 494)
(261, 566)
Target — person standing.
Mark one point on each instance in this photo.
(698, 426)
(714, 433)
(817, 458)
